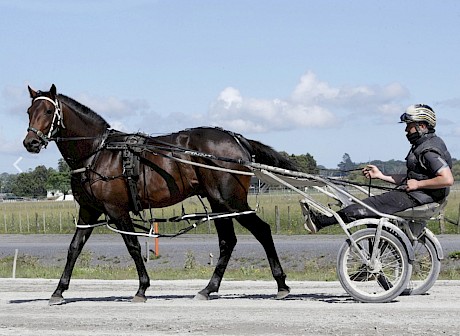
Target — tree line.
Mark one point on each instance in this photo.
(35, 183)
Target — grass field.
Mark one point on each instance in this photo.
(31, 267)
(281, 210)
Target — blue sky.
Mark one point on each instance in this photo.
(318, 77)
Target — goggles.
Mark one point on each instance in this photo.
(406, 118)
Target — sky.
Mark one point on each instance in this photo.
(319, 77)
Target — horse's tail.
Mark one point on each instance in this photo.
(267, 155)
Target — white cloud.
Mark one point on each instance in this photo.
(120, 126)
(114, 107)
(313, 103)
(310, 90)
(230, 96)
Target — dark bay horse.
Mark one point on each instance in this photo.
(101, 186)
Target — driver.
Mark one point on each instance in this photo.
(427, 180)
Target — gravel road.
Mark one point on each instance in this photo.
(241, 308)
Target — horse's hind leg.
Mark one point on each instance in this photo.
(78, 241)
(227, 241)
(262, 233)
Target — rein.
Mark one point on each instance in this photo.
(369, 185)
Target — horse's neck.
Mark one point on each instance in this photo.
(80, 138)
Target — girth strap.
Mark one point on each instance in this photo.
(131, 160)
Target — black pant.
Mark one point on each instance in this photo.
(389, 203)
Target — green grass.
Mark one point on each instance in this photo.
(30, 267)
(281, 210)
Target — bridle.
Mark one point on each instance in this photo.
(57, 122)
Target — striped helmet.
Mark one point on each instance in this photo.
(419, 113)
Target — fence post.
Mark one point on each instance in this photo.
(289, 216)
(15, 260)
(442, 223)
(458, 219)
(277, 219)
(175, 223)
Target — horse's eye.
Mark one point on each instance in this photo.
(49, 111)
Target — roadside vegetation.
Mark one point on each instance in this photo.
(31, 267)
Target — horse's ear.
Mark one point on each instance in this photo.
(53, 91)
(32, 92)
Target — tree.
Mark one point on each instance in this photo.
(59, 181)
(306, 163)
(31, 183)
(63, 167)
(5, 183)
(346, 165)
(456, 169)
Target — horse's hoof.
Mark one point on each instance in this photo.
(56, 300)
(139, 299)
(201, 297)
(283, 293)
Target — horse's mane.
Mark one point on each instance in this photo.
(83, 109)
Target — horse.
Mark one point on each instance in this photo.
(101, 185)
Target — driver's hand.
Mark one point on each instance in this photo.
(371, 171)
(412, 185)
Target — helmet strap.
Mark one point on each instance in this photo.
(421, 131)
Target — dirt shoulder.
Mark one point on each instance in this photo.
(99, 307)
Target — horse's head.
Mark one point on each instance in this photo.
(45, 119)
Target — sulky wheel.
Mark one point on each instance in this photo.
(425, 267)
(378, 280)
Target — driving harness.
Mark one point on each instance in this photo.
(131, 150)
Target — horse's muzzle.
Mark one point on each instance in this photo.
(32, 143)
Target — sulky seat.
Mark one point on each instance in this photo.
(425, 211)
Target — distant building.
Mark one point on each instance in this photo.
(53, 194)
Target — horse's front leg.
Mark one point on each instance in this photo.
(227, 241)
(78, 241)
(124, 223)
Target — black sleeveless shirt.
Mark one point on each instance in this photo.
(426, 157)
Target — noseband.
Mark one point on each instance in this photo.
(57, 121)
